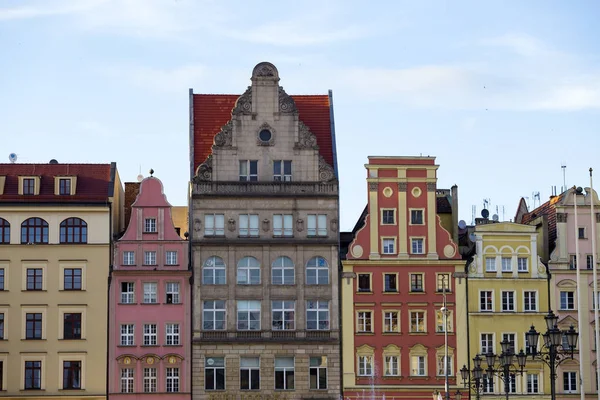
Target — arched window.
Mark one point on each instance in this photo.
(248, 271)
(213, 271)
(317, 271)
(4, 231)
(73, 230)
(282, 272)
(34, 230)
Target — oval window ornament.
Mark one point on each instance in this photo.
(265, 135)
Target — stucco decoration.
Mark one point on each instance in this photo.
(266, 225)
(197, 225)
(265, 70)
(225, 136)
(243, 104)
(373, 186)
(334, 225)
(326, 173)
(388, 191)
(416, 192)
(204, 171)
(286, 103)
(541, 268)
(271, 141)
(561, 217)
(357, 251)
(306, 139)
(402, 186)
(431, 186)
(449, 251)
(231, 224)
(299, 225)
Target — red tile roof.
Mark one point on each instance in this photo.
(549, 210)
(94, 182)
(212, 111)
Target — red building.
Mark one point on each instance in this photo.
(398, 269)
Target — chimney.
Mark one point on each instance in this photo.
(454, 194)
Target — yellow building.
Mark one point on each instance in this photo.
(507, 292)
(56, 224)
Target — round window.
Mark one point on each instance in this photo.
(265, 135)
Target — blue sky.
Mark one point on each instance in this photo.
(502, 92)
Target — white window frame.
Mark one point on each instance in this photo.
(508, 300)
(172, 379)
(129, 258)
(282, 176)
(439, 321)
(252, 366)
(150, 335)
(532, 382)
(318, 369)
(570, 388)
(388, 321)
(127, 380)
(441, 367)
(508, 336)
(214, 224)
(506, 263)
(215, 363)
(388, 245)
(246, 272)
(420, 361)
(150, 225)
(364, 321)
(572, 295)
(285, 307)
(285, 370)
(248, 307)
(420, 319)
(365, 365)
(210, 265)
(320, 265)
(489, 345)
(417, 210)
(172, 334)
(528, 301)
(248, 226)
(127, 335)
(283, 225)
(420, 248)
(490, 264)
(490, 307)
(150, 292)
(128, 297)
(150, 257)
(285, 271)
(150, 379)
(522, 264)
(388, 211)
(245, 171)
(316, 224)
(315, 311)
(171, 257)
(392, 365)
(172, 289)
(213, 312)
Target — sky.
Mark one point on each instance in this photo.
(502, 93)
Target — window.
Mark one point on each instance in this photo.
(416, 282)
(589, 261)
(318, 372)
(127, 335)
(1, 327)
(364, 282)
(150, 335)
(149, 380)
(213, 315)
(28, 186)
(64, 186)
(570, 381)
(506, 264)
(172, 293)
(284, 373)
(71, 375)
(72, 326)
(391, 366)
(533, 381)
(282, 225)
(214, 225)
(282, 272)
(172, 334)
(365, 366)
(581, 233)
(522, 264)
(128, 258)
(1, 278)
(249, 373)
(417, 321)
(390, 322)
(73, 230)
(510, 337)
(508, 301)
(441, 368)
(317, 315)
(248, 271)
(486, 342)
(317, 271)
(389, 246)
(490, 264)
(486, 301)
(34, 230)
(149, 258)
(417, 246)
(127, 292)
(248, 170)
(213, 271)
(72, 278)
(439, 321)
(249, 225)
(573, 262)
(512, 383)
(33, 375)
(171, 258)
(282, 170)
(317, 225)
(487, 382)
(388, 217)
(390, 282)
(172, 380)
(214, 373)
(417, 365)
(364, 321)
(4, 231)
(416, 217)
(283, 315)
(150, 293)
(34, 278)
(595, 300)
(248, 315)
(529, 301)
(443, 283)
(567, 300)
(150, 225)
(33, 326)
(127, 380)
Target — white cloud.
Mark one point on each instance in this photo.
(47, 9)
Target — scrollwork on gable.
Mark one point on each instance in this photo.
(243, 104)
(306, 139)
(326, 173)
(286, 103)
(225, 136)
(204, 171)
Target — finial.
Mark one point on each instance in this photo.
(151, 171)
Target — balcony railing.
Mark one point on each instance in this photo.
(265, 188)
(260, 336)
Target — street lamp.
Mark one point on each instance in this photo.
(559, 345)
(506, 370)
(477, 375)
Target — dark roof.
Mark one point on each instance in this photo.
(443, 205)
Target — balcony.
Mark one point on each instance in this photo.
(268, 336)
(262, 189)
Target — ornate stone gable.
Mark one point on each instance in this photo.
(287, 105)
(225, 136)
(326, 173)
(243, 105)
(306, 139)
(204, 171)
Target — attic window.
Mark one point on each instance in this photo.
(64, 186)
(29, 185)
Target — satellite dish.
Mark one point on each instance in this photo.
(462, 224)
(53, 161)
(472, 237)
(140, 177)
(12, 157)
(485, 213)
(495, 217)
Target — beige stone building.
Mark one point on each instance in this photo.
(56, 223)
(264, 231)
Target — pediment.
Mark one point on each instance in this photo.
(567, 283)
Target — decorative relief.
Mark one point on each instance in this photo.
(225, 136)
(334, 225)
(150, 360)
(561, 217)
(197, 225)
(270, 135)
(402, 186)
(306, 139)
(231, 224)
(449, 251)
(388, 191)
(357, 251)
(431, 186)
(127, 360)
(204, 171)
(266, 225)
(416, 192)
(326, 173)
(299, 225)
(373, 186)
(243, 104)
(264, 70)
(286, 103)
(172, 360)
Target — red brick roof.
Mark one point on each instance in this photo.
(212, 111)
(549, 210)
(94, 182)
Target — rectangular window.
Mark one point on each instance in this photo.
(282, 170)
(127, 380)
(441, 368)
(214, 373)
(150, 293)
(248, 225)
(284, 373)
(149, 258)
(486, 343)
(439, 321)
(317, 225)
(149, 380)
(573, 262)
(33, 375)
(506, 264)
(595, 300)
(1, 278)
(34, 278)
(417, 321)
(510, 338)
(248, 315)
(389, 246)
(416, 282)
(1, 329)
(318, 372)
(529, 301)
(364, 282)
(72, 326)
(533, 383)
(490, 264)
(390, 322)
(317, 315)
(150, 225)
(443, 283)
(570, 382)
(589, 261)
(172, 380)
(248, 170)
(365, 365)
(72, 278)
(486, 301)
(391, 366)
(487, 382)
(522, 264)
(127, 335)
(581, 233)
(417, 365)
(388, 217)
(214, 225)
(150, 335)
(282, 225)
(249, 373)
(416, 217)
(171, 258)
(28, 186)
(33, 329)
(390, 282)
(128, 258)
(71, 375)
(512, 383)
(127, 292)
(64, 186)
(283, 315)
(417, 246)
(172, 334)
(508, 301)
(172, 290)
(364, 321)
(567, 300)
(213, 315)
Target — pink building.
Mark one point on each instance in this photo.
(149, 350)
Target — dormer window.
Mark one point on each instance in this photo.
(150, 225)
(64, 185)
(29, 186)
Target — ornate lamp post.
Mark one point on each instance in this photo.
(477, 376)
(505, 370)
(555, 350)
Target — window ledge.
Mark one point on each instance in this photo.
(150, 304)
(390, 292)
(150, 232)
(126, 345)
(417, 333)
(76, 339)
(170, 345)
(283, 236)
(365, 333)
(34, 290)
(34, 340)
(128, 304)
(72, 290)
(442, 333)
(72, 390)
(364, 292)
(417, 292)
(172, 304)
(391, 333)
(248, 236)
(149, 265)
(316, 236)
(214, 236)
(32, 390)
(150, 345)
(172, 265)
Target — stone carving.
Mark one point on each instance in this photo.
(271, 140)
(299, 225)
(306, 139)
(204, 171)
(286, 103)
(197, 225)
(264, 70)
(561, 217)
(243, 105)
(431, 186)
(373, 186)
(326, 173)
(231, 224)
(225, 136)
(402, 186)
(333, 225)
(266, 225)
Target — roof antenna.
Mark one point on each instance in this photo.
(564, 169)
